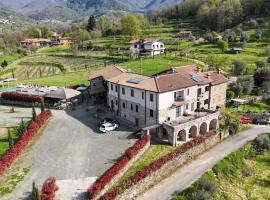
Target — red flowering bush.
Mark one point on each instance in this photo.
(15, 96)
(32, 129)
(154, 166)
(49, 188)
(105, 179)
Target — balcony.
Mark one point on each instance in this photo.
(178, 101)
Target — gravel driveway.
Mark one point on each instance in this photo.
(70, 147)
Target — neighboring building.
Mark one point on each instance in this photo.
(236, 50)
(166, 102)
(147, 46)
(39, 42)
(186, 35)
(66, 40)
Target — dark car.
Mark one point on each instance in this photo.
(260, 121)
(107, 120)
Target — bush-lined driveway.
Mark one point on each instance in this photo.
(71, 147)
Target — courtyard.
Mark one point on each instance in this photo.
(70, 148)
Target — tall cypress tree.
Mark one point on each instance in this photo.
(34, 114)
(10, 140)
(42, 106)
(35, 192)
(91, 23)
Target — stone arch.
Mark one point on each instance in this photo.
(213, 125)
(203, 128)
(192, 132)
(181, 136)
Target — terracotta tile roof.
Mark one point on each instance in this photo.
(142, 41)
(146, 83)
(173, 81)
(108, 72)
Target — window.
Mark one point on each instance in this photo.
(111, 87)
(187, 91)
(116, 102)
(124, 105)
(178, 111)
(137, 108)
(131, 106)
(192, 107)
(132, 92)
(94, 84)
(116, 88)
(187, 106)
(206, 101)
(135, 46)
(151, 113)
(206, 88)
(123, 91)
(151, 97)
(142, 95)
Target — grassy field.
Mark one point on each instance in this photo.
(241, 175)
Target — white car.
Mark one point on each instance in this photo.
(106, 127)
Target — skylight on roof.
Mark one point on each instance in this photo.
(135, 80)
(196, 78)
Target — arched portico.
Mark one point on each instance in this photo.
(182, 136)
(213, 125)
(193, 132)
(203, 128)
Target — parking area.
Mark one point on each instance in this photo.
(71, 147)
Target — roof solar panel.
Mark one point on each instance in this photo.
(196, 78)
(135, 80)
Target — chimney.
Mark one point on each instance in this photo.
(218, 70)
(208, 75)
(173, 70)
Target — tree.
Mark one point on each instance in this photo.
(247, 83)
(35, 192)
(34, 114)
(230, 94)
(91, 23)
(229, 121)
(42, 106)
(260, 64)
(261, 76)
(80, 36)
(4, 64)
(105, 25)
(222, 45)
(239, 67)
(131, 25)
(244, 37)
(259, 34)
(10, 140)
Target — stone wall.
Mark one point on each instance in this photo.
(167, 169)
(124, 170)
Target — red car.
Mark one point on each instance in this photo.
(245, 120)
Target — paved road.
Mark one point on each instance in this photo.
(191, 172)
(70, 147)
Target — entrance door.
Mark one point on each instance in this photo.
(136, 121)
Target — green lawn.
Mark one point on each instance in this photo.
(253, 108)
(4, 144)
(150, 66)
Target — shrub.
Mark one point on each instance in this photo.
(262, 143)
(49, 188)
(199, 195)
(206, 185)
(14, 96)
(247, 171)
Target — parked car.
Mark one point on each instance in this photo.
(260, 121)
(107, 120)
(245, 119)
(106, 127)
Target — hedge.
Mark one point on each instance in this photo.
(49, 189)
(32, 129)
(154, 166)
(106, 178)
(15, 96)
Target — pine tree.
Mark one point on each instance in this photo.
(10, 140)
(35, 192)
(34, 114)
(91, 23)
(23, 127)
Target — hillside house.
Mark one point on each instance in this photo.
(185, 35)
(39, 42)
(177, 104)
(147, 46)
